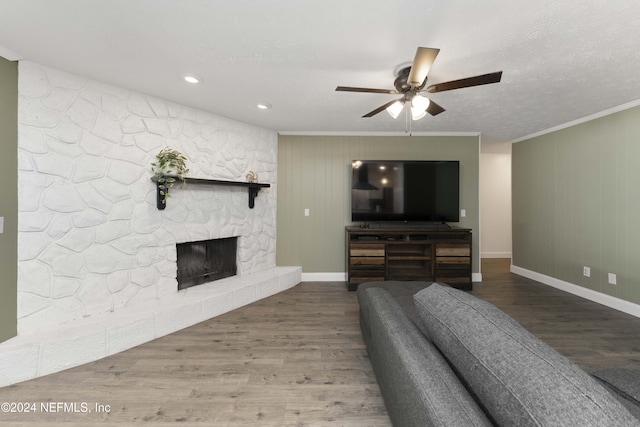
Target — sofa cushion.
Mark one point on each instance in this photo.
(517, 378)
(624, 384)
(418, 386)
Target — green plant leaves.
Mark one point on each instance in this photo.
(170, 166)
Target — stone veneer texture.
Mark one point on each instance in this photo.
(90, 237)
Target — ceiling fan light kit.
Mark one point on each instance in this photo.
(419, 105)
(395, 109)
(417, 114)
(410, 84)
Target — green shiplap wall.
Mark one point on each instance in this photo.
(576, 202)
(8, 197)
(314, 172)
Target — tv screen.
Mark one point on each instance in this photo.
(421, 191)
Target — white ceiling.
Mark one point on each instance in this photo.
(562, 60)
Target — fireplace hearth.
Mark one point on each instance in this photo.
(205, 261)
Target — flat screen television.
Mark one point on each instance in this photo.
(391, 190)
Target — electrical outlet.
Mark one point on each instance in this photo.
(586, 271)
(612, 279)
(306, 212)
(463, 213)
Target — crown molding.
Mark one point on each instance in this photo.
(9, 54)
(359, 133)
(604, 113)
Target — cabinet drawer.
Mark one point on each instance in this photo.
(367, 260)
(454, 276)
(457, 260)
(454, 280)
(453, 250)
(367, 250)
(367, 245)
(358, 280)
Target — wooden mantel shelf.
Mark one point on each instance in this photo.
(252, 187)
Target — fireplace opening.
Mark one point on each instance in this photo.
(206, 261)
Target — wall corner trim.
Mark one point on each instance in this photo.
(591, 295)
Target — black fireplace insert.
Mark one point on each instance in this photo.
(205, 261)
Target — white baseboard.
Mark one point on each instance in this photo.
(495, 255)
(342, 277)
(324, 277)
(598, 297)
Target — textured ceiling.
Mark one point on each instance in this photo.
(562, 60)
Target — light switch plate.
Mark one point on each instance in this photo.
(1, 224)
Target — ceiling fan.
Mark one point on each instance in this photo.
(410, 84)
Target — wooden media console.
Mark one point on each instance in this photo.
(436, 254)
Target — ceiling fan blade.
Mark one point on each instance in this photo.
(483, 79)
(381, 108)
(421, 66)
(434, 109)
(364, 89)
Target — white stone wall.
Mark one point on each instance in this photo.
(90, 237)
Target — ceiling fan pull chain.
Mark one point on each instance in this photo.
(407, 121)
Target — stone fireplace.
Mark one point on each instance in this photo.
(205, 261)
(91, 239)
(97, 261)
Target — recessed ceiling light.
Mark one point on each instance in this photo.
(263, 106)
(190, 78)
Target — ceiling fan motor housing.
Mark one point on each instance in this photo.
(401, 82)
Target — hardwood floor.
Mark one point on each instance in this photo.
(591, 335)
(295, 359)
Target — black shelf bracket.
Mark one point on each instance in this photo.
(252, 187)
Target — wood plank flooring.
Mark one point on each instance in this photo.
(295, 359)
(592, 335)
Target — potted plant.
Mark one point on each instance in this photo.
(169, 167)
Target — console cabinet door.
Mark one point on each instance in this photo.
(366, 263)
(453, 263)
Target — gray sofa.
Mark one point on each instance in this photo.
(445, 358)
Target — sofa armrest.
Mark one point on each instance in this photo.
(418, 386)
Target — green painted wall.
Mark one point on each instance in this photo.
(576, 202)
(314, 172)
(9, 197)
